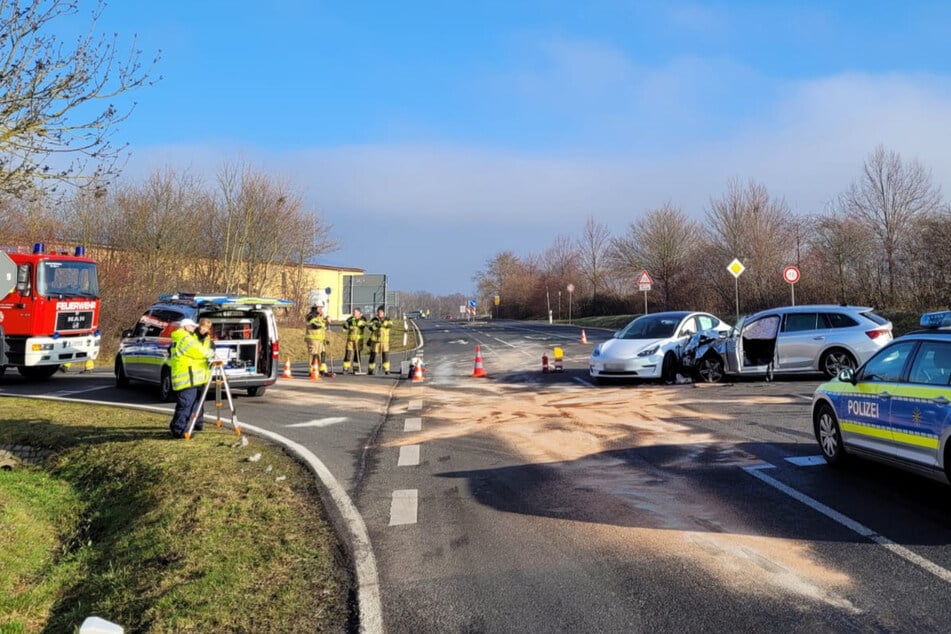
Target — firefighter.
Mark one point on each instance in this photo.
(379, 328)
(354, 326)
(188, 363)
(315, 336)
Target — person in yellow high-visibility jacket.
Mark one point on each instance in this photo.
(188, 364)
(379, 328)
(315, 336)
(354, 326)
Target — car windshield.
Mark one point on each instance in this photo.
(650, 327)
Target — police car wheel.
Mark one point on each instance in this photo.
(121, 379)
(165, 386)
(828, 435)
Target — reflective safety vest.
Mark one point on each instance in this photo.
(189, 360)
(380, 329)
(317, 326)
(355, 328)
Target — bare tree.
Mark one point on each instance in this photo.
(888, 198)
(748, 224)
(593, 246)
(513, 279)
(665, 242)
(839, 258)
(262, 226)
(50, 126)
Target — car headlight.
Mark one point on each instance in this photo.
(646, 352)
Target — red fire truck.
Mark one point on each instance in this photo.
(49, 310)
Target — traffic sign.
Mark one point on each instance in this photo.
(735, 267)
(472, 303)
(791, 274)
(8, 274)
(497, 300)
(571, 288)
(644, 278)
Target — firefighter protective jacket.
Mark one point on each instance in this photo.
(317, 325)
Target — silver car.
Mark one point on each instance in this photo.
(808, 339)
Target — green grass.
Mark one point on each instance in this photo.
(159, 535)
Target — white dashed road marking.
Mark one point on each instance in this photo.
(409, 456)
(413, 424)
(321, 422)
(415, 405)
(806, 461)
(942, 573)
(404, 507)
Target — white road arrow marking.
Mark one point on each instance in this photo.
(321, 422)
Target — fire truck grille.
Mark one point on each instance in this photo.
(80, 320)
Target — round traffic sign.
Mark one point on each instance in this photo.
(791, 274)
(571, 288)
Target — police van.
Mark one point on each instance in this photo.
(895, 408)
(244, 331)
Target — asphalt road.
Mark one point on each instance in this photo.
(538, 502)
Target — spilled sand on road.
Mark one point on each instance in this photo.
(622, 451)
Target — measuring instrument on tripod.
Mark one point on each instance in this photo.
(220, 379)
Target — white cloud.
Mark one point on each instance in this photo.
(461, 204)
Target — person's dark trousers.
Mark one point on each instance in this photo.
(184, 406)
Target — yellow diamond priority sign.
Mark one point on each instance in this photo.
(736, 267)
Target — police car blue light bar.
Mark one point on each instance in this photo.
(940, 319)
(224, 300)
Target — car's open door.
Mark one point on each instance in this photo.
(758, 343)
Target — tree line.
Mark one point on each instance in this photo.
(883, 241)
(245, 233)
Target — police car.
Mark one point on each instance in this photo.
(243, 328)
(896, 408)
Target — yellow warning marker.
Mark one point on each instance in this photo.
(559, 359)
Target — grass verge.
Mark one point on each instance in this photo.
(123, 522)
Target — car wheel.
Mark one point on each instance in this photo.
(668, 370)
(710, 369)
(834, 361)
(37, 372)
(256, 391)
(828, 435)
(165, 386)
(121, 379)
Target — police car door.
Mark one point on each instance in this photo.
(865, 412)
(920, 406)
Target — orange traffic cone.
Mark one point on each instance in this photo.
(479, 371)
(314, 372)
(584, 339)
(418, 372)
(287, 370)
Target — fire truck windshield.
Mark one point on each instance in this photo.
(65, 278)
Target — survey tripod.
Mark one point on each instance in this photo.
(220, 379)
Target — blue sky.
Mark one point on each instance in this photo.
(433, 135)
